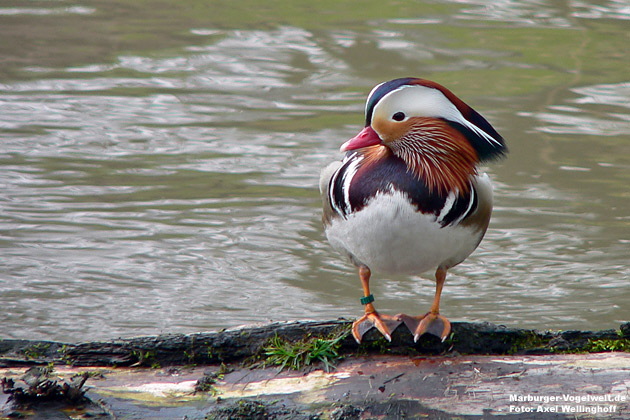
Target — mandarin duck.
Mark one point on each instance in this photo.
(407, 196)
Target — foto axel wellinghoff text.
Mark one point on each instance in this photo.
(565, 403)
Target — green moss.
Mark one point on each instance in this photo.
(380, 346)
(528, 341)
(206, 384)
(208, 381)
(595, 345)
(36, 351)
(145, 358)
(97, 374)
(242, 409)
(63, 352)
(606, 345)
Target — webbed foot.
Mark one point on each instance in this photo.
(386, 324)
(432, 323)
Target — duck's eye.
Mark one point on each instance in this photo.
(399, 116)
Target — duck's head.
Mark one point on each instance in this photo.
(412, 107)
(430, 128)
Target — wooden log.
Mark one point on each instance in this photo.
(238, 344)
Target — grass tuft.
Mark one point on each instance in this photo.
(297, 355)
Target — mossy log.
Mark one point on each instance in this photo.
(239, 344)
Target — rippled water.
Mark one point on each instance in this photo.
(159, 161)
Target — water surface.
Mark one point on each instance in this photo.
(159, 161)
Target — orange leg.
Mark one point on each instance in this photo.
(384, 323)
(431, 322)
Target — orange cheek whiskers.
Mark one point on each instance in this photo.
(438, 154)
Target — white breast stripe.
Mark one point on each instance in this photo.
(331, 189)
(448, 205)
(347, 170)
(347, 179)
(471, 201)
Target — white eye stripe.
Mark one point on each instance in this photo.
(423, 101)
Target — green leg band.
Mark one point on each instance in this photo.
(367, 299)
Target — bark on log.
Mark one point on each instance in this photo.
(238, 344)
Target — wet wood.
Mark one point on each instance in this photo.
(243, 343)
(565, 386)
(481, 370)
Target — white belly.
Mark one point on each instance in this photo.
(390, 236)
